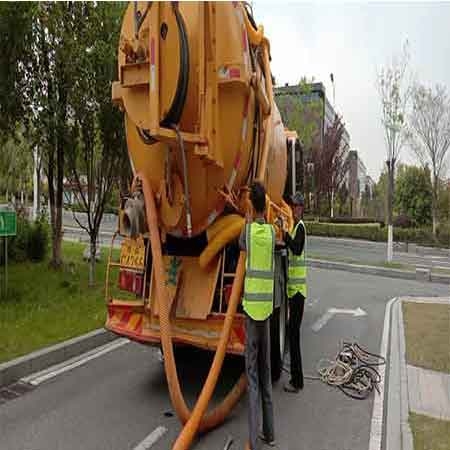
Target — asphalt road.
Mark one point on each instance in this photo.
(115, 401)
(364, 252)
(346, 250)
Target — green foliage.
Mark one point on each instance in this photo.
(16, 163)
(444, 202)
(302, 113)
(30, 242)
(38, 240)
(413, 194)
(16, 22)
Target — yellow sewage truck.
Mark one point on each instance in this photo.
(196, 91)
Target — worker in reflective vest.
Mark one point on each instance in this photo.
(258, 240)
(296, 291)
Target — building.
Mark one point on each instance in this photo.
(315, 92)
(358, 182)
(293, 103)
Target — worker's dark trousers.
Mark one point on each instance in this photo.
(257, 366)
(296, 308)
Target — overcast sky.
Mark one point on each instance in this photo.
(352, 40)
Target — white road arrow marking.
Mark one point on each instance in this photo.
(322, 321)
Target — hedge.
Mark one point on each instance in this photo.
(423, 236)
(30, 242)
(346, 220)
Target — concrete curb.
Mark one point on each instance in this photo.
(22, 366)
(398, 431)
(378, 271)
(407, 437)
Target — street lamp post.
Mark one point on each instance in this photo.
(332, 185)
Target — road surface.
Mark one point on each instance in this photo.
(346, 250)
(115, 402)
(364, 252)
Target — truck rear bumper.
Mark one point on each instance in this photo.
(133, 320)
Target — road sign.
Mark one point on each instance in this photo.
(8, 223)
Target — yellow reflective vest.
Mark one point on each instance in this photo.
(297, 268)
(259, 270)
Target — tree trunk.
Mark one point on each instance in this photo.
(93, 251)
(390, 193)
(434, 206)
(56, 252)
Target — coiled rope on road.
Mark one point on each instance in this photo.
(353, 371)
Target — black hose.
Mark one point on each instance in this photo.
(176, 108)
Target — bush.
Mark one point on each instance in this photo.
(345, 220)
(30, 242)
(38, 241)
(403, 221)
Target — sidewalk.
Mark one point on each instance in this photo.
(418, 400)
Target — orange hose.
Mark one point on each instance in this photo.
(216, 416)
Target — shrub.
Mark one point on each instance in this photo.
(403, 221)
(18, 244)
(30, 242)
(38, 241)
(345, 220)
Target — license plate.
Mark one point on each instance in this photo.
(132, 254)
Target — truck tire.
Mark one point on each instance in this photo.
(278, 323)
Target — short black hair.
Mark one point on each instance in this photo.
(258, 197)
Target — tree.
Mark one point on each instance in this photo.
(413, 193)
(16, 34)
(394, 90)
(329, 162)
(16, 165)
(302, 113)
(429, 134)
(99, 150)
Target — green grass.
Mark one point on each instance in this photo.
(44, 306)
(429, 433)
(427, 333)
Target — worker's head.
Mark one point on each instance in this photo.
(298, 205)
(258, 198)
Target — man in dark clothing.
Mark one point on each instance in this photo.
(258, 240)
(296, 289)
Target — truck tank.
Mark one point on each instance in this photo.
(201, 124)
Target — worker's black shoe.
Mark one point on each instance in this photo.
(289, 387)
(269, 442)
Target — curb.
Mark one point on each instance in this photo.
(398, 431)
(22, 366)
(379, 271)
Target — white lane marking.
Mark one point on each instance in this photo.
(322, 321)
(44, 375)
(376, 423)
(151, 439)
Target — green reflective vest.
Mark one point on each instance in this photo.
(259, 270)
(297, 268)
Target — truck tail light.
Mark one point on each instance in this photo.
(131, 281)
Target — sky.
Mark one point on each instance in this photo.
(353, 40)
